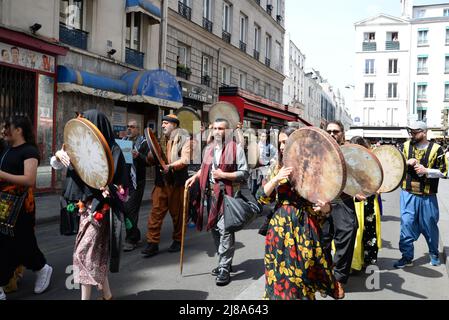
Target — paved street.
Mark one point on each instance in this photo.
(159, 278)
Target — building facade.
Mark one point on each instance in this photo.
(102, 54)
(294, 83)
(231, 51)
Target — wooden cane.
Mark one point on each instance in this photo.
(184, 221)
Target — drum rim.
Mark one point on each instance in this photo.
(211, 119)
(371, 153)
(403, 161)
(149, 135)
(336, 147)
(104, 143)
(192, 111)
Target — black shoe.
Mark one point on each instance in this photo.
(223, 277)
(129, 246)
(216, 271)
(175, 246)
(150, 250)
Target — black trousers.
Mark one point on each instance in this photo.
(341, 226)
(132, 209)
(21, 249)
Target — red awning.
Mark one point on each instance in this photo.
(26, 41)
(268, 112)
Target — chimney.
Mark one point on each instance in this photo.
(407, 9)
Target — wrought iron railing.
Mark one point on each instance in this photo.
(392, 45)
(226, 36)
(73, 37)
(207, 24)
(267, 62)
(134, 57)
(369, 46)
(256, 54)
(205, 80)
(184, 10)
(242, 46)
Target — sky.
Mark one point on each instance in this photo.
(324, 31)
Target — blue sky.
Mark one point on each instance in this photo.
(324, 31)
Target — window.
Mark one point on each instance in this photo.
(392, 90)
(446, 64)
(392, 36)
(422, 65)
(227, 17)
(446, 91)
(369, 66)
(421, 13)
(207, 9)
(242, 80)
(268, 46)
(267, 92)
(257, 38)
(133, 30)
(393, 66)
(206, 66)
(422, 37)
(277, 95)
(422, 92)
(243, 28)
(71, 13)
(226, 75)
(446, 12)
(447, 35)
(182, 55)
(278, 57)
(256, 85)
(278, 8)
(369, 90)
(369, 36)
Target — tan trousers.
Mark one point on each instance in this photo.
(168, 198)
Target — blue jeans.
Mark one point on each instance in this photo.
(419, 215)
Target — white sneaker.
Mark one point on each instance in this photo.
(43, 277)
(2, 294)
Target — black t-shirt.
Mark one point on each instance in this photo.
(12, 159)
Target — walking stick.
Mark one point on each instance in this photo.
(184, 221)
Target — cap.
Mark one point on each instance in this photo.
(418, 125)
(171, 118)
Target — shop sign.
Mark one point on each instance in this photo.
(18, 56)
(196, 93)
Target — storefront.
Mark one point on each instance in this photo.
(28, 87)
(197, 98)
(257, 112)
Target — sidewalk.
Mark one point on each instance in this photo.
(47, 206)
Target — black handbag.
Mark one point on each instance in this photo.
(70, 219)
(240, 210)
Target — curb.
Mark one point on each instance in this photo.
(55, 218)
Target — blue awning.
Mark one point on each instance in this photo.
(154, 86)
(146, 7)
(157, 87)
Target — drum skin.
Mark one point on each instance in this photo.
(224, 110)
(253, 155)
(364, 171)
(155, 147)
(187, 118)
(319, 170)
(89, 153)
(393, 165)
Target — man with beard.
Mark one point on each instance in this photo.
(341, 226)
(426, 164)
(169, 187)
(224, 163)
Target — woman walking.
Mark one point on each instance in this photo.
(18, 171)
(296, 265)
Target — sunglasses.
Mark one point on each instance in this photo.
(413, 132)
(333, 131)
(132, 127)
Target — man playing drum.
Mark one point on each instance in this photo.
(169, 187)
(426, 164)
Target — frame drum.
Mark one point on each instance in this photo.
(224, 110)
(187, 119)
(319, 170)
(155, 147)
(393, 165)
(364, 170)
(89, 153)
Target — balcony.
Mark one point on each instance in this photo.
(243, 46)
(207, 24)
(134, 57)
(256, 54)
(422, 71)
(185, 11)
(205, 80)
(279, 19)
(73, 37)
(226, 36)
(392, 45)
(267, 62)
(369, 46)
(269, 9)
(423, 43)
(258, 2)
(183, 71)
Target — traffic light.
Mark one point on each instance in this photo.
(444, 118)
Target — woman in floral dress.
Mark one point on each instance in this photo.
(296, 266)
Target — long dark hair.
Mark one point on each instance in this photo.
(287, 131)
(360, 141)
(24, 123)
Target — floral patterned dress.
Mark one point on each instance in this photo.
(296, 265)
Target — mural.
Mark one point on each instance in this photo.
(26, 58)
